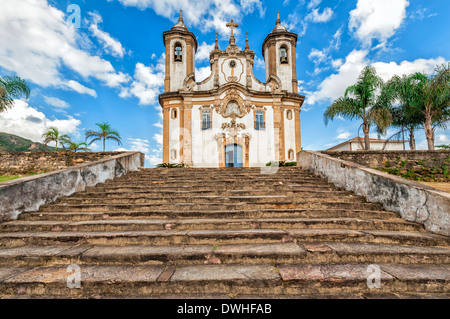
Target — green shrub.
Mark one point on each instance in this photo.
(282, 164)
(169, 165)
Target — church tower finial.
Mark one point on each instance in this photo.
(180, 19)
(216, 47)
(278, 22)
(247, 47)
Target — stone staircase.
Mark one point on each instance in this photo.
(220, 233)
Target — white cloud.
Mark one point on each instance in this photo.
(203, 52)
(54, 101)
(77, 87)
(313, 3)
(35, 33)
(317, 56)
(342, 134)
(147, 83)
(111, 45)
(377, 19)
(202, 73)
(317, 17)
(442, 139)
(335, 85)
(27, 122)
(259, 63)
(206, 15)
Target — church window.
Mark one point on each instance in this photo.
(174, 114)
(289, 115)
(283, 55)
(206, 119)
(291, 154)
(178, 53)
(259, 120)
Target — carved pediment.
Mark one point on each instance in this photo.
(233, 105)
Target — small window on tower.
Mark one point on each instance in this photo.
(291, 154)
(178, 53)
(283, 55)
(173, 154)
(289, 114)
(174, 114)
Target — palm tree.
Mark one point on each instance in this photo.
(12, 87)
(401, 90)
(66, 141)
(358, 102)
(52, 134)
(105, 133)
(432, 99)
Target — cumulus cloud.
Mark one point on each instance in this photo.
(202, 73)
(377, 19)
(204, 14)
(110, 45)
(335, 85)
(26, 121)
(38, 33)
(203, 51)
(147, 83)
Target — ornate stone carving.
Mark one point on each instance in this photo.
(233, 105)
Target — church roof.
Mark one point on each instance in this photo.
(278, 26)
(180, 25)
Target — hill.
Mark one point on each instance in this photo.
(14, 143)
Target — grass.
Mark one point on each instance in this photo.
(8, 178)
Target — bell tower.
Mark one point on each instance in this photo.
(280, 57)
(181, 46)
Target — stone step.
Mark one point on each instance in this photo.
(106, 187)
(210, 206)
(313, 253)
(209, 192)
(228, 214)
(265, 279)
(207, 236)
(202, 223)
(211, 182)
(207, 199)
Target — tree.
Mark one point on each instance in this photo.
(52, 134)
(432, 99)
(105, 133)
(397, 97)
(358, 102)
(12, 87)
(66, 141)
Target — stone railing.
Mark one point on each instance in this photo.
(29, 193)
(413, 201)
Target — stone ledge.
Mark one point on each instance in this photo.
(29, 193)
(412, 200)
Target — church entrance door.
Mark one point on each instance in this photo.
(233, 155)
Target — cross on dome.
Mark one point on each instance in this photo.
(232, 25)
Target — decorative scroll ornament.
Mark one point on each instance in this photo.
(233, 105)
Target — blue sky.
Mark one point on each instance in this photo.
(111, 68)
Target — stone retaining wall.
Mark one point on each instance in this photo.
(412, 200)
(27, 163)
(29, 193)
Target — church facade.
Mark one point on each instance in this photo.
(230, 119)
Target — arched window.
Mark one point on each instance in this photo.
(291, 154)
(284, 55)
(174, 114)
(178, 53)
(289, 114)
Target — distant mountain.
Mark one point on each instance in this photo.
(14, 143)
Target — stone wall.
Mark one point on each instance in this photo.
(412, 200)
(19, 164)
(416, 165)
(29, 193)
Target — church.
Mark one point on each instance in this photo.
(230, 119)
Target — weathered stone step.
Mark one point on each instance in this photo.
(210, 206)
(220, 187)
(287, 279)
(202, 223)
(207, 199)
(171, 237)
(212, 182)
(210, 192)
(33, 256)
(229, 214)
